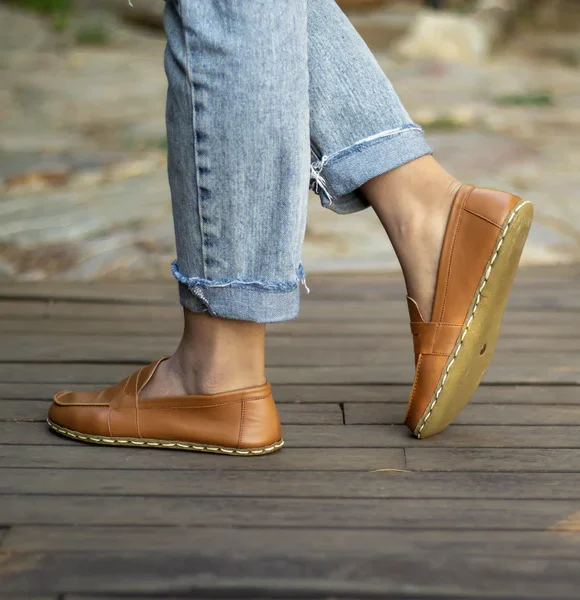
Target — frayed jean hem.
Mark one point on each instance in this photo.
(241, 299)
(338, 177)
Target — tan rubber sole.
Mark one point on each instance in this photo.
(478, 337)
(164, 444)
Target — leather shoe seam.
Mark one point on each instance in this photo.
(414, 389)
(66, 404)
(451, 253)
(141, 407)
(242, 423)
(476, 214)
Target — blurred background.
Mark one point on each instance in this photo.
(83, 189)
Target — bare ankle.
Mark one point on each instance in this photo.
(214, 356)
(413, 203)
(217, 355)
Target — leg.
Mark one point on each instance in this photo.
(237, 123)
(238, 141)
(459, 246)
(365, 135)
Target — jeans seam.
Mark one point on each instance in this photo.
(371, 141)
(320, 185)
(194, 141)
(265, 286)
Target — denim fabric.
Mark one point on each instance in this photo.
(265, 96)
(358, 126)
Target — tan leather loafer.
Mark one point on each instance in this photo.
(243, 422)
(481, 250)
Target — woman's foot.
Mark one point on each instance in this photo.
(459, 248)
(211, 395)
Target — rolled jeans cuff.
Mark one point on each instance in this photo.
(338, 177)
(260, 302)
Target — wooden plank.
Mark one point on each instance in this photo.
(85, 456)
(361, 436)
(134, 329)
(298, 328)
(112, 596)
(27, 596)
(227, 511)
(65, 373)
(337, 394)
(285, 351)
(35, 391)
(23, 410)
(348, 311)
(394, 436)
(274, 572)
(506, 460)
(519, 371)
(337, 542)
(103, 291)
(488, 414)
(294, 484)
(295, 414)
(399, 394)
(453, 562)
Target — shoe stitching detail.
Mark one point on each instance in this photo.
(185, 445)
(487, 273)
(242, 416)
(137, 390)
(109, 420)
(414, 389)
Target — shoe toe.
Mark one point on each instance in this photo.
(80, 412)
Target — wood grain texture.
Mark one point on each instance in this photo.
(86, 456)
(274, 572)
(359, 483)
(228, 511)
(348, 509)
(483, 414)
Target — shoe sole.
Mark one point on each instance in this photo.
(478, 337)
(164, 444)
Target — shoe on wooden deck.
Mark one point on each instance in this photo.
(481, 250)
(242, 423)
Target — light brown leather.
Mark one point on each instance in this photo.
(476, 218)
(245, 418)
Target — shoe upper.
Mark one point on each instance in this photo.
(245, 418)
(475, 220)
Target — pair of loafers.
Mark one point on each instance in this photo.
(484, 239)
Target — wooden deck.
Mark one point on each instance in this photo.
(353, 507)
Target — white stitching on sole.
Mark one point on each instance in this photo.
(499, 244)
(186, 445)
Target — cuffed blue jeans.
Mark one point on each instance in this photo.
(267, 97)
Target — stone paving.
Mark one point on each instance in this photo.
(83, 190)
